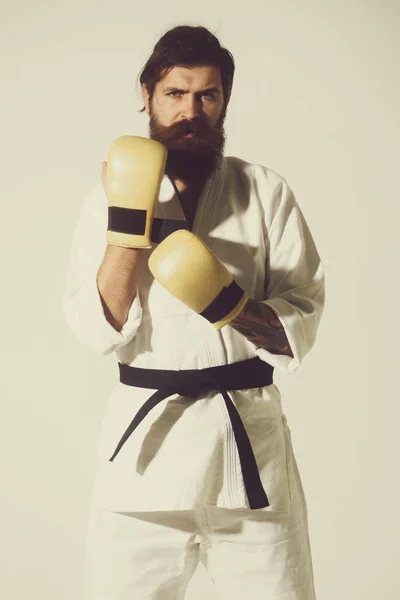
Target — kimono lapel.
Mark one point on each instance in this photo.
(169, 206)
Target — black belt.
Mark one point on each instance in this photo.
(250, 373)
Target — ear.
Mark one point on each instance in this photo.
(146, 98)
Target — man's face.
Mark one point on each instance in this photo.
(186, 115)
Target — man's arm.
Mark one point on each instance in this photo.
(117, 283)
(260, 325)
(117, 277)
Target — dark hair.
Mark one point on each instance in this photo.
(187, 46)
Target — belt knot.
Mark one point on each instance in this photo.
(193, 387)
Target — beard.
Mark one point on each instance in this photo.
(190, 159)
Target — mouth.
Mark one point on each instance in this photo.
(188, 135)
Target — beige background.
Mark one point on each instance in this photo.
(316, 97)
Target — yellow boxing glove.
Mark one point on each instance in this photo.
(135, 168)
(188, 269)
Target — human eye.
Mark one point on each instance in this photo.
(174, 94)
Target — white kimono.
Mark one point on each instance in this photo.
(183, 454)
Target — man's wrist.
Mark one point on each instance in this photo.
(261, 326)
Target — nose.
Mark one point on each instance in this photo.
(191, 108)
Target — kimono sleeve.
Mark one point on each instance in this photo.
(294, 280)
(81, 300)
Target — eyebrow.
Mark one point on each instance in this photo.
(176, 89)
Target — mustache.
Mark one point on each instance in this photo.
(196, 126)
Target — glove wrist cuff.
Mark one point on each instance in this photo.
(228, 303)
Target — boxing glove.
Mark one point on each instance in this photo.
(191, 272)
(135, 168)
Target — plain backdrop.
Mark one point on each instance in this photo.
(316, 97)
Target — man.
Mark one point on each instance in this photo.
(195, 460)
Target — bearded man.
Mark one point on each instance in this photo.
(198, 272)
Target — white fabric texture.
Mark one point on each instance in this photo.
(183, 455)
(246, 553)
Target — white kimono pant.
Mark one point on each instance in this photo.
(247, 553)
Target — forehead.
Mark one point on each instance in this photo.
(202, 77)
